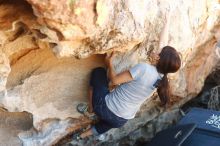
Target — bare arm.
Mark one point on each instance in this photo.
(117, 78)
(164, 36)
(120, 78)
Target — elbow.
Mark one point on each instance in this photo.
(114, 81)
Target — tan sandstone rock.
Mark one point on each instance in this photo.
(47, 53)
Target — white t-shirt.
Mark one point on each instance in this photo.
(125, 100)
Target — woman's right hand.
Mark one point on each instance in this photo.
(168, 15)
(154, 57)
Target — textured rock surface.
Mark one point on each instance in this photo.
(39, 41)
(11, 124)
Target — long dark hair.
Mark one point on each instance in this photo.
(169, 62)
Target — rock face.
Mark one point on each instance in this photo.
(47, 52)
(12, 123)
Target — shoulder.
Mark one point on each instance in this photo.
(139, 70)
(145, 66)
(148, 69)
(142, 64)
(140, 67)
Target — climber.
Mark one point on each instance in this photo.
(135, 85)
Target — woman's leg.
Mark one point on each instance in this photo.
(99, 128)
(86, 133)
(98, 87)
(90, 99)
(97, 90)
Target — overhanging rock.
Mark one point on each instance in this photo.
(47, 52)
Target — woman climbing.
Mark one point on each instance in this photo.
(135, 85)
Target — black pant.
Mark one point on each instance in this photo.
(108, 120)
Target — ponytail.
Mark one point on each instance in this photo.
(163, 90)
(169, 62)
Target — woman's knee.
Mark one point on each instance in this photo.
(98, 70)
(97, 76)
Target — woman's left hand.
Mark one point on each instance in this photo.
(108, 59)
